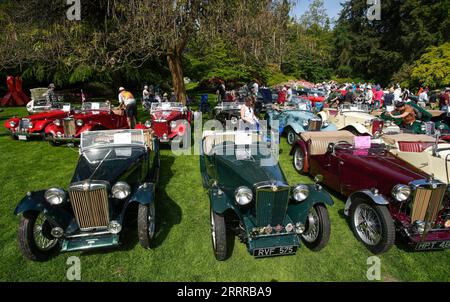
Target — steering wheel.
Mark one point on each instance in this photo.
(344, 145)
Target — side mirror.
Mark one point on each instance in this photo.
(318, 179)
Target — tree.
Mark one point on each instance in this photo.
(433, 67)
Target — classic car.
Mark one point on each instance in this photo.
(386, 196)
(169, 121)
(116, 169)
(313, 95)
(295, 118)
(33, 126)
(249, 195)
(228, 111)
(425, 122)
(93, 116)
(356, 119)
(425, 152)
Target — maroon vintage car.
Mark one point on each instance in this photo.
(92, 116)
(33, 126)
(169, 120)
(386, 195)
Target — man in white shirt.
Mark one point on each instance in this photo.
(397, 94)
(423, 98)
(288, 94)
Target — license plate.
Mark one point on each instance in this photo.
(22, 137)
(275, 251)
(432, 245)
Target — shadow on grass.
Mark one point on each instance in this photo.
(168, 214)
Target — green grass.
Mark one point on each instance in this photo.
(183, 251)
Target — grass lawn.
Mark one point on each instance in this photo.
(183, 251)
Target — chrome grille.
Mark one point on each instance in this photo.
(271, 204)
(24, 123)
(90, 204)
(427, 203)
(314, 124)
(69, 127)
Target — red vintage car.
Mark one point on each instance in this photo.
(33, 126)
(169, 120)
(92, 116)
(386, 196)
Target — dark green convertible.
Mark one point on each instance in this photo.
(250, 197)
(116, 168)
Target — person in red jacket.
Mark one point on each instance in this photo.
(282, 96)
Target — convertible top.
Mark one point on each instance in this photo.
(213, 138)
(319, 141)
(408, 137)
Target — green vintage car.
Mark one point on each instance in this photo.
(116, 169)
(250, 197)
(423, 124)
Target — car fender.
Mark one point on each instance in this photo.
(53, 129)
(39, 126)
(323, 115)
(145, 194)
(358, 127)
(295, 126)
(367, 194)
(220, 203)
(14, 119)
(298, 211)
(35, 201)
(140, 126)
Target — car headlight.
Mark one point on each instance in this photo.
(234, 120)
(57, 122)
(121, 190)
(148, 124)
(79, 123)
(173, 124)
(401, 192)
(30, 125)
(300, 192)
(55, 196)
(305, 123)
(367, 123)
(12, 123)
(243, 196)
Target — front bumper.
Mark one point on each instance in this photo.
(63, 139)
(26, 134)
(433, 240)
(90, 242)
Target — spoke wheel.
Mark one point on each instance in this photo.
(373, 225)
(299, 160)
(318, 228)
(146, 224)
(292, 137)
(35, 239)
(219, 236)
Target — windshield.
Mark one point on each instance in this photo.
(300, 103)
(354, 107)
(230, 105)
(112, 138)
(167, 106)
(95, 106)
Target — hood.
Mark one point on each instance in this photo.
(358, 115)
(386, 169)
(120, 164)
(167, 115)
(232, 173)
(54, 114)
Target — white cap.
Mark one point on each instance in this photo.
(121, 89)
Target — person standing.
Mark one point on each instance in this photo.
(281, 96)
(423, 98)
(389, 98)
(288, 94)
(369, 95)
(378, 98)
(221, 92)
(50, 96)
(128, 102)
(256, 87)
(397, 94)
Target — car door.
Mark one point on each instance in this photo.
(326, 165)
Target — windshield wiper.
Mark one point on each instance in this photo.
(101, 162)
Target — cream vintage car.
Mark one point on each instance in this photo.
(357, 119)
(422, 151)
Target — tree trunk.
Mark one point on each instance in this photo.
(176, 70)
